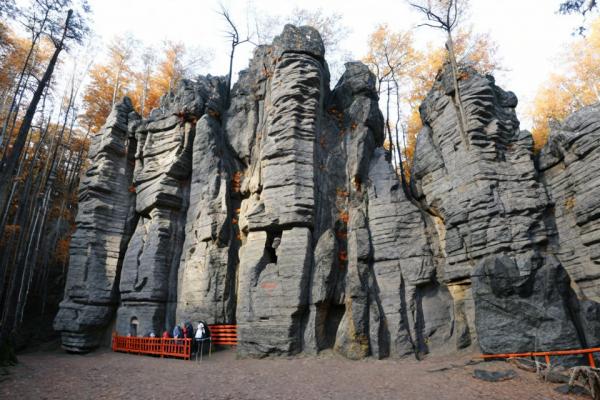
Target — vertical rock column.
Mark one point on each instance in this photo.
(207, 274)
(570, 167)
(571, 171)
(103, 230)
(402, 260)
(371, 239)
(277, 212)
(163, 165)
(488, 206)
(354, 103)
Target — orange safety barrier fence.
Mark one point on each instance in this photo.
(225, 335)
(180, 348)
(548, 354)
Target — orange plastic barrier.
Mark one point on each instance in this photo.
(179, 348)
(548, 354)
(225, 335)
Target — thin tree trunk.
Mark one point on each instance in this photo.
(35, 37)
(6, 211)
(230, 72)
(116, 87)
(402, 171)
(13, 113)
(462, 116)
(11, 302)
(7, 172)
(23, 286)
(143, 99)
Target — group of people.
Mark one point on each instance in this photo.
(183, 331)
(187, 331)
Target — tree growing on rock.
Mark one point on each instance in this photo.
(477, 50)
(233, 34)
(417, 72)
(445, 15)
(392, 58)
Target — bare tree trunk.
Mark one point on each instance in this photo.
(227, 97)
(5, 212)
(143, 99)
(402, 172)
(7, 172)
(116, 87)
(13, 114)
(387, 121)
(462, 116)
(34, 39)
(11, 303)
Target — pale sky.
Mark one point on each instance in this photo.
(530, 34)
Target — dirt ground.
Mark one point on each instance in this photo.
(106, 375)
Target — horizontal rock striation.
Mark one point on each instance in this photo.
(275, 206)
(494, 222)
(104, 224)
(571, 173)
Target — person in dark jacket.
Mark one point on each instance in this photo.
(177, 334)
(189, 330)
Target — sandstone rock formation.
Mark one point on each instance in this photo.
(277, 208)
(103, 230)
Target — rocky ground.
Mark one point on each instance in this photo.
(106, 375)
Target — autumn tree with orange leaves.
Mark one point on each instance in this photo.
(415, 72)
(568, 91)
(143, 75)
(110, 81)
(39, 168)
(393, 60)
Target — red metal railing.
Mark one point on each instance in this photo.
(548, 354)
(180, 348)
(224, 335)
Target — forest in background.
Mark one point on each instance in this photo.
(55, 94)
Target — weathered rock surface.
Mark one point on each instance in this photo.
(491, 213)
(275, 207)
(103, 230)
(516, 312)
(570, 163)
(494, 376)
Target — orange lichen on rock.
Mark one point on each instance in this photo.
(236, 181)
(213, 113)
(341, 192)
(344, 216)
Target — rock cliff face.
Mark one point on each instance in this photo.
(275, 207)
(104, 221)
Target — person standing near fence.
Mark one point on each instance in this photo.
(201, 336)
(189, 330)
(177, 334)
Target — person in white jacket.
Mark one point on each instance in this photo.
(202, 335)
(201, 331)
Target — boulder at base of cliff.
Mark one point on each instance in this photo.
(521, 308)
